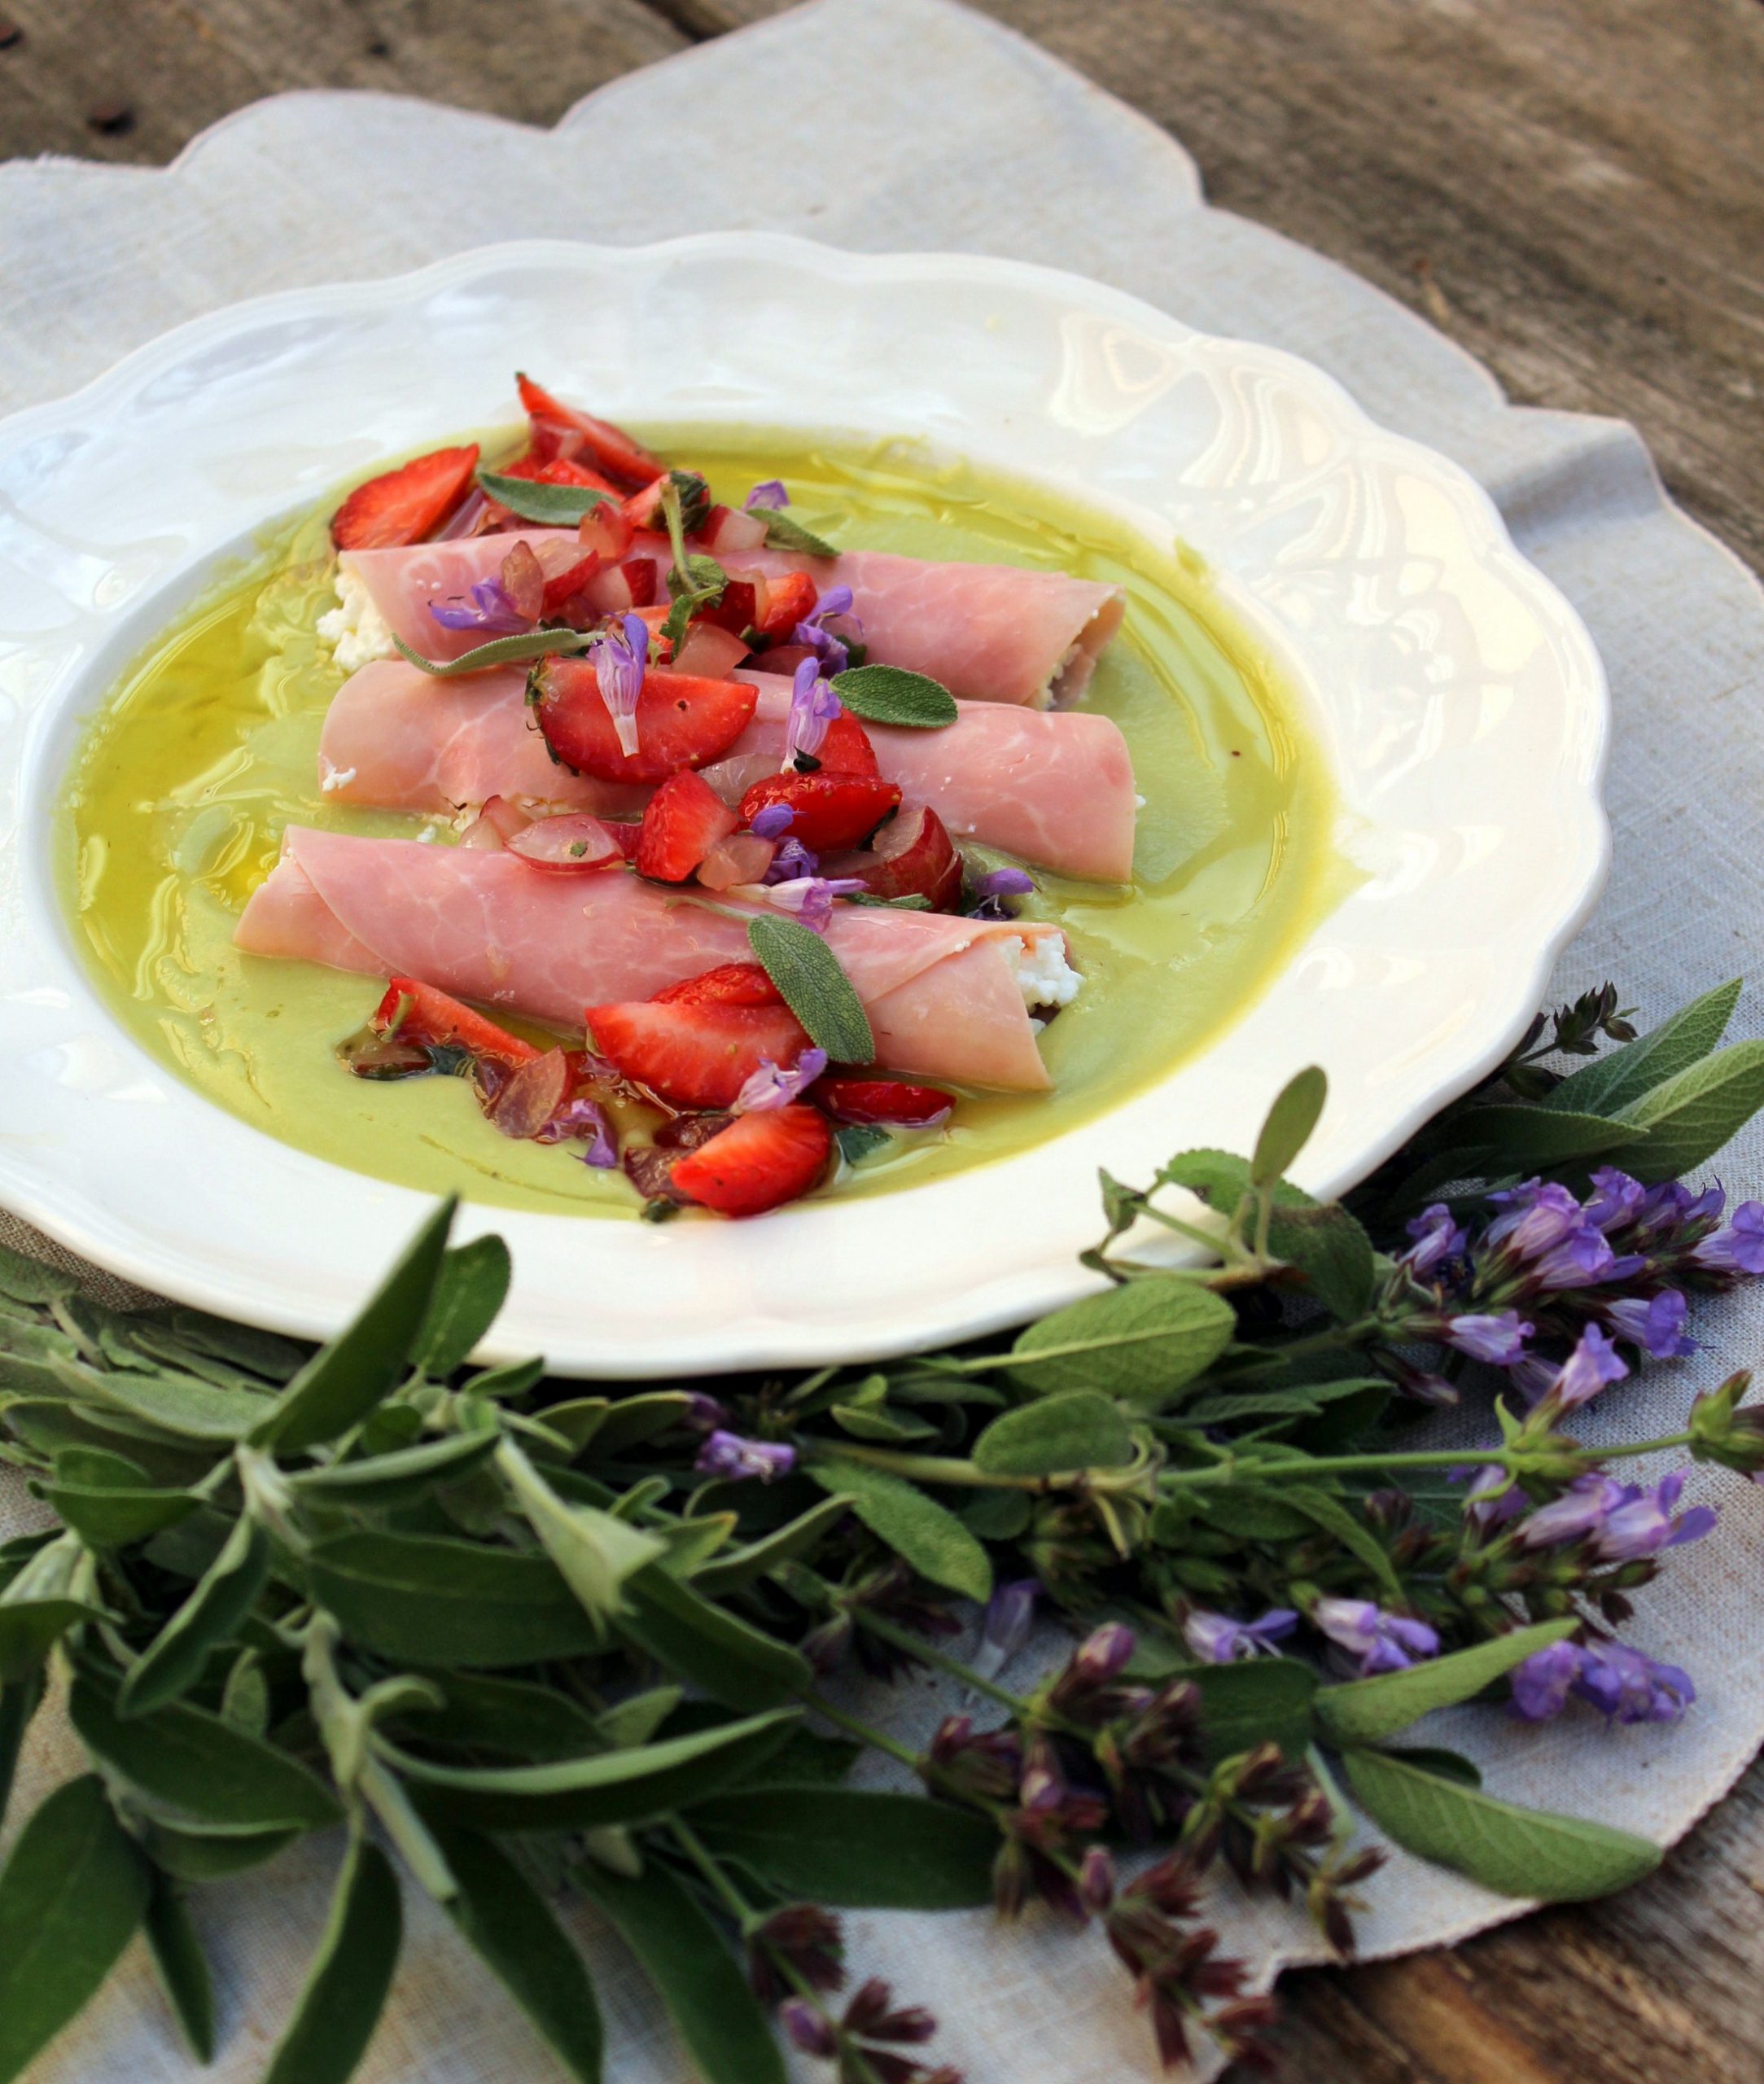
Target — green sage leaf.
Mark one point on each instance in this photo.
(225, 1593)
(1260, 1700)
(30, 1281)
(1287, 1130)
(1077, 1428)
(856, 1850)
(394, 1478)
(190, 1854)
(595, 1551)
(105, 1517)
(890, 694)
(1524, 1136)
(1363, 1710)
(1685, 1121)
(707, 1645)
(858, 1140)
(469, 1291)
(815, 988)
(18, 1701)
(632, 1421)
(512, 1929)
(554, 507)
(1325, 1510)
(181, 1405)
(347, 1986)
(499, 651)
(343, 1381)
(721, 2023)
(1332, 1252)
(71, 1896)
(606, 1787)
(29, 1629)
(802, 1536)
(183, 1759)
(181, 1966)
(509, 1715)
(920, 1531)
(783, 532)
(1515, 1851)
(1143, 1341)
(1617, 1080)
(426, 1599)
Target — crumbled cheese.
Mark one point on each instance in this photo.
(356, 631)
(1043, 975)
(337, 777)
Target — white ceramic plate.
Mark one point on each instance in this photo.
(1456, 693)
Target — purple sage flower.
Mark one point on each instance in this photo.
(813, 707)
(1437, 1239)
(1578, 1259)
(1616, 1199)
(811, 898)
(996, 890)
(1493, 1498)
(589, 1118)
(1671, 1205)
(1103, 1653)
(704, 1413)
(486, 607)
(774, 822)
(1740, 1248)
(1581, 1510)
(829, 648)
(767, 497)
(1627, 1686)
(1381, 1641)
(1010, 1615)
(1656, 1325)
(728, 1455)
(1497, 1341)
(621, 658)
(1540, 1685)
(768, 1088)
(1216, 1638)
(1593, 1365)
(1533, 1217)
(1646, 1522)
(808, 2027)
(792, 860)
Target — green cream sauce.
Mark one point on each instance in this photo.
(174, 809)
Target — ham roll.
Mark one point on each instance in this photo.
(948, 997)
(1055, 789)
(990, 632)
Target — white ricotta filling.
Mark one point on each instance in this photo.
(356, 631)
(336, 778)
(1043, 975)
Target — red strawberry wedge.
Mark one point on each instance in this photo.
(758, 1161)
(884, 1102)
(788, 600)
(682, 721)
(406, 505)
(695, 1054)
(729, 984)
(429, 1017)
(828, 810)
(560, 430)
(682, 822)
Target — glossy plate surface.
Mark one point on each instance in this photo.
(1456, 693)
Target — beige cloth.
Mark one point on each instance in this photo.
(946, 132)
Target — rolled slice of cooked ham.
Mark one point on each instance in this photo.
(1055, 788)
(990, 632)
(943, 993)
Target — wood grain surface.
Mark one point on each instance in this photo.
(1573, 189)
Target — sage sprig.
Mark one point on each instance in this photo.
(533, 1647)
(514, 649)
(554, 507)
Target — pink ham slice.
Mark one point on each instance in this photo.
(990, 632)
(1054, 788)
(941, 992)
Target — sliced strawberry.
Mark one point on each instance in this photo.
(729, 984)
(605, 530)
(694, 1054)
(738, 609)
(431, 1020)
(914, 856)
(616, 589)
(405, 505)
(684, 821)
(643, 508)
(883, 1102)
(560, 430)
(758, 1161)
(727, 529)
(682, 721)
(846, 749)
(828, 810)
(789, 598)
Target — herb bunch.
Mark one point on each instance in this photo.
(625, 1646)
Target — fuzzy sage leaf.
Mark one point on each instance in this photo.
(1363, 1710)
(928, 1535)
(890, 694)
(815, 987)
(351, 1975)
(513, 650)
(554, 507)
(857, 1849)
(784, 532)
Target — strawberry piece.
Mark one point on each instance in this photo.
(406, 505)
(728, 530)
(560, 430)
(682, 721)
(828, 810)
(883, 1102)
(605, 530)
(757, 1162)
(914, 856)
(566, 568)
(729, 984)
(847, 749)
(683, 822)
(694, 1053)
(432, 1020)
(788, 600)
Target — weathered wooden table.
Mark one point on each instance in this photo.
(1572, 189)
